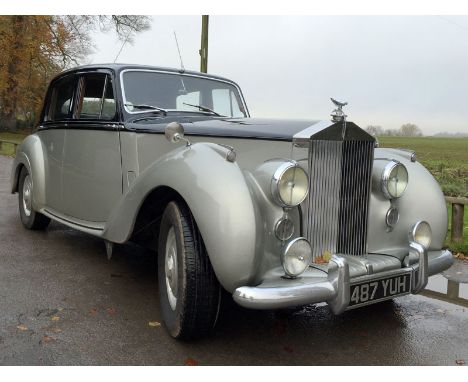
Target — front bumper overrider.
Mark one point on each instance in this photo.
(333, 285)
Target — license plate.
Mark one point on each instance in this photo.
(371, 291)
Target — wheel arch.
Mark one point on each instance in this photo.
(30, 154)
(147, 222)
(16, 171)
(215, 191)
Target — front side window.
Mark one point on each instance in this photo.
(96, 98)
(180, 93)
(61, 101)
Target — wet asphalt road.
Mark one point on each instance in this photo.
(63, 303)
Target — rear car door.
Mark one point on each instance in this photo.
(92, 171)
(57, 113)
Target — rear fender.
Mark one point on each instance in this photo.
(30, 154)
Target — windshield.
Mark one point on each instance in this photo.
(183, 93)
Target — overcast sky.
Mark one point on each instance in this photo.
(391, 69)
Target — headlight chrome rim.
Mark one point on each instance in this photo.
(386, 173)
(392, 217)
(280, 233)
(275, 181)
(417, 233)
(287, 252)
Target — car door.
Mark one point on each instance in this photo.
(58, 111)
(92, 171)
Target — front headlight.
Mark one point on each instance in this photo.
(421, 233)
(290, 184)
(394, 180)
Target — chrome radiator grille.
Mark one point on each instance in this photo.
(340, 175)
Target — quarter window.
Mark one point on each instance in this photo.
(62, 99)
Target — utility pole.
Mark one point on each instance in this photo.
(204, 45)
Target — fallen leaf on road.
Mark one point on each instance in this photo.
(460, 362)
(93, 312)
(56, 318)
(154, 324)
(22, 327)
(55, 330)
(191, 362)
(110, 311)
(47, 339)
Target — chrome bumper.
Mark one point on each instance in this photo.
(334, 289)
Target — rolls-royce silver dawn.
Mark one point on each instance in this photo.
(278, 213)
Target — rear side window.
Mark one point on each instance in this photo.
(62, 99)
(96, 100)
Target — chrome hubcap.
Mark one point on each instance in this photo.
(170, 268)
(27, 195)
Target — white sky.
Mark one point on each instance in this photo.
(391, 69)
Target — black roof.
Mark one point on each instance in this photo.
(119, 67)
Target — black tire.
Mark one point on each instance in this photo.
(197, 292)
(31, 219)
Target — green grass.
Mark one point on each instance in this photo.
(8, 149)
(447, 160)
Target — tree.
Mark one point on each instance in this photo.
(375, 130)
(36, 48)
(410, 130)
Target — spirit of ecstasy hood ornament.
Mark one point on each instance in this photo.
(338, 114)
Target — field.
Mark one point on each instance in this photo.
(446, 159)
(6, 148)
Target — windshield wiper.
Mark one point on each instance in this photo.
(204, 108)
(147, 107)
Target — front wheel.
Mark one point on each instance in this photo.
(30, 218)
(188, 289)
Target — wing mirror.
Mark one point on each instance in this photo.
(174, 132)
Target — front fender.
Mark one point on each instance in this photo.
(31, 155)
(422, 200)
(218, 197)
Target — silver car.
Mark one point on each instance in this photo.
(278, 213)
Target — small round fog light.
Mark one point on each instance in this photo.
(392, 217)
(421, 233)
(296, 257)
(284, 229)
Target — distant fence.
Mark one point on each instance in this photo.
(6, 142)
(458, 212)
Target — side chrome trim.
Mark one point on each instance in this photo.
(81, 125)
(93, 228)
